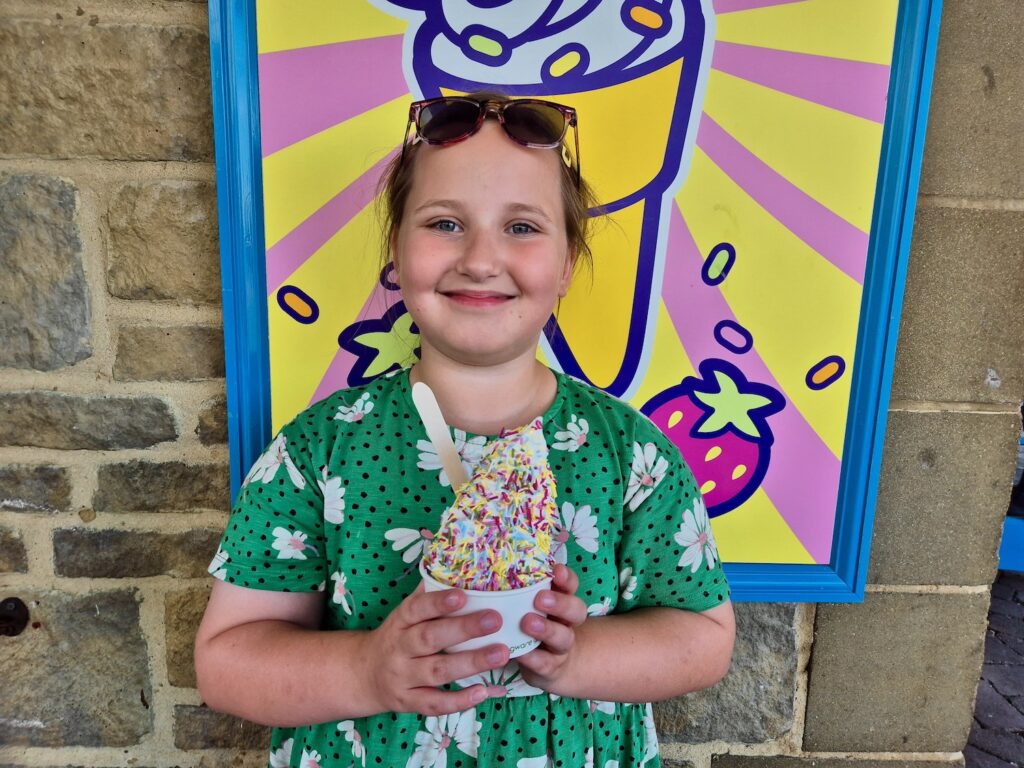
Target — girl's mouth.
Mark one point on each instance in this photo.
(478, 299)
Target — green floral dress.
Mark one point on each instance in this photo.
(347, 494)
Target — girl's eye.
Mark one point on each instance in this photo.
(522, 228)
(446, 225)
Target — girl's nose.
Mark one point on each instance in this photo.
(481, 256)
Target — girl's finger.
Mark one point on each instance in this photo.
(422, 606)
(565, 579)
(567, 609)
(555, 636)
(435, 702)
(443, 668)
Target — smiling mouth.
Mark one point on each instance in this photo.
(477, 298)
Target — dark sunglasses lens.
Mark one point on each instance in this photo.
(534, 123)
(448, 120)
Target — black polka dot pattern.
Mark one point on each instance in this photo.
(344, 499)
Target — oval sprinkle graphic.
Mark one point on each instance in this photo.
(298, 304)
(718, 263)
(646, 17)
(675, 418)
(485, 45)
(564, 64)
(826, 372)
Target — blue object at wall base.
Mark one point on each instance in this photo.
(1011, 551)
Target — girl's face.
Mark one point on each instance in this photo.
(482, 255)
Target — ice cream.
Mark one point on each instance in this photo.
(636, 73)
(498, 534)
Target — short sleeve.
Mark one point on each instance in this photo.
(667, 554)
(274, 538)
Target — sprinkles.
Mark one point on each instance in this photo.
(498, 533)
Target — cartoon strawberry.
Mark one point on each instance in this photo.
(719, 423)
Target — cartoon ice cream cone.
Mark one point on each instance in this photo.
(635, 72)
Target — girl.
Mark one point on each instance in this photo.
(318, 624)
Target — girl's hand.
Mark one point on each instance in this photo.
(546, 665)
(404, 662)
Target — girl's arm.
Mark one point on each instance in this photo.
(648, 654)
(260, 655)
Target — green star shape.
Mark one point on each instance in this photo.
(393, 347)
(730, 406)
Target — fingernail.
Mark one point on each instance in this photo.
(451, 599)
(495, 657)
(489, 622)
(478, 695)
(546, 600)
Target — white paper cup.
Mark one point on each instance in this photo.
(512, 604)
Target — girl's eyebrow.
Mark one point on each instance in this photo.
(439, 204)
(526, 208)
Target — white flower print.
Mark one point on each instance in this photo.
(544, 761)
(600, 609)
(588, 758)
(508, 676)
(606, 707)
(282, 756)
(310, 759)
(612, 764)
(356, 411)
(650, 736)
(340, 595)
(696, 538)
(432, 744)
(627, 584)
(409, 539)
(217, 569)
(573, 437)
(334, 498)
(647, 471)
(348, 727)
(291, 545)
(266, 466)
(578, 524)
(470, 452)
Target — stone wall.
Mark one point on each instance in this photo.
(113, 463)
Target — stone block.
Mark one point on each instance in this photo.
(961, 328)
(78, 675)
(183, 610)
(25, 488)
(79, 552)
(45, 319)
(75, 422)
(13, 558)
(975, 142)
(942, 497)
(213, 421)
(895, 673)
(150, 486)
(163, 242)
(754, 702)
(184, 353)
(779, 761)
(112, 91)
(202, 728)
(670, 763)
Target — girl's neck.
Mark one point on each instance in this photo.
(485, 400)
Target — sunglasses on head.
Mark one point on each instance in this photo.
(529, 122)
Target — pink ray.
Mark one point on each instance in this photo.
(731, 6)
(834, 238)
(803, 476)
(855, 87)
(306, 90)
(291, 251)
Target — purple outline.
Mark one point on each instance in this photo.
(732, 325)
(296, 291)
(808, 379)
(730, 262)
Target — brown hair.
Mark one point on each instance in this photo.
(396, 182)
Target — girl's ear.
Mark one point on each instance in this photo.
(566, 277)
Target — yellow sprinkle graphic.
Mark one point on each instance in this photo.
(298, 305)
(714, 453)
(485, 45)
(708, 487)
(675, 418)
(739, 471)
(825, 373)
(646, 17)
(565, 63)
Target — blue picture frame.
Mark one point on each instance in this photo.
(233, 55)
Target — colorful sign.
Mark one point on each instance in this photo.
(735, 146)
